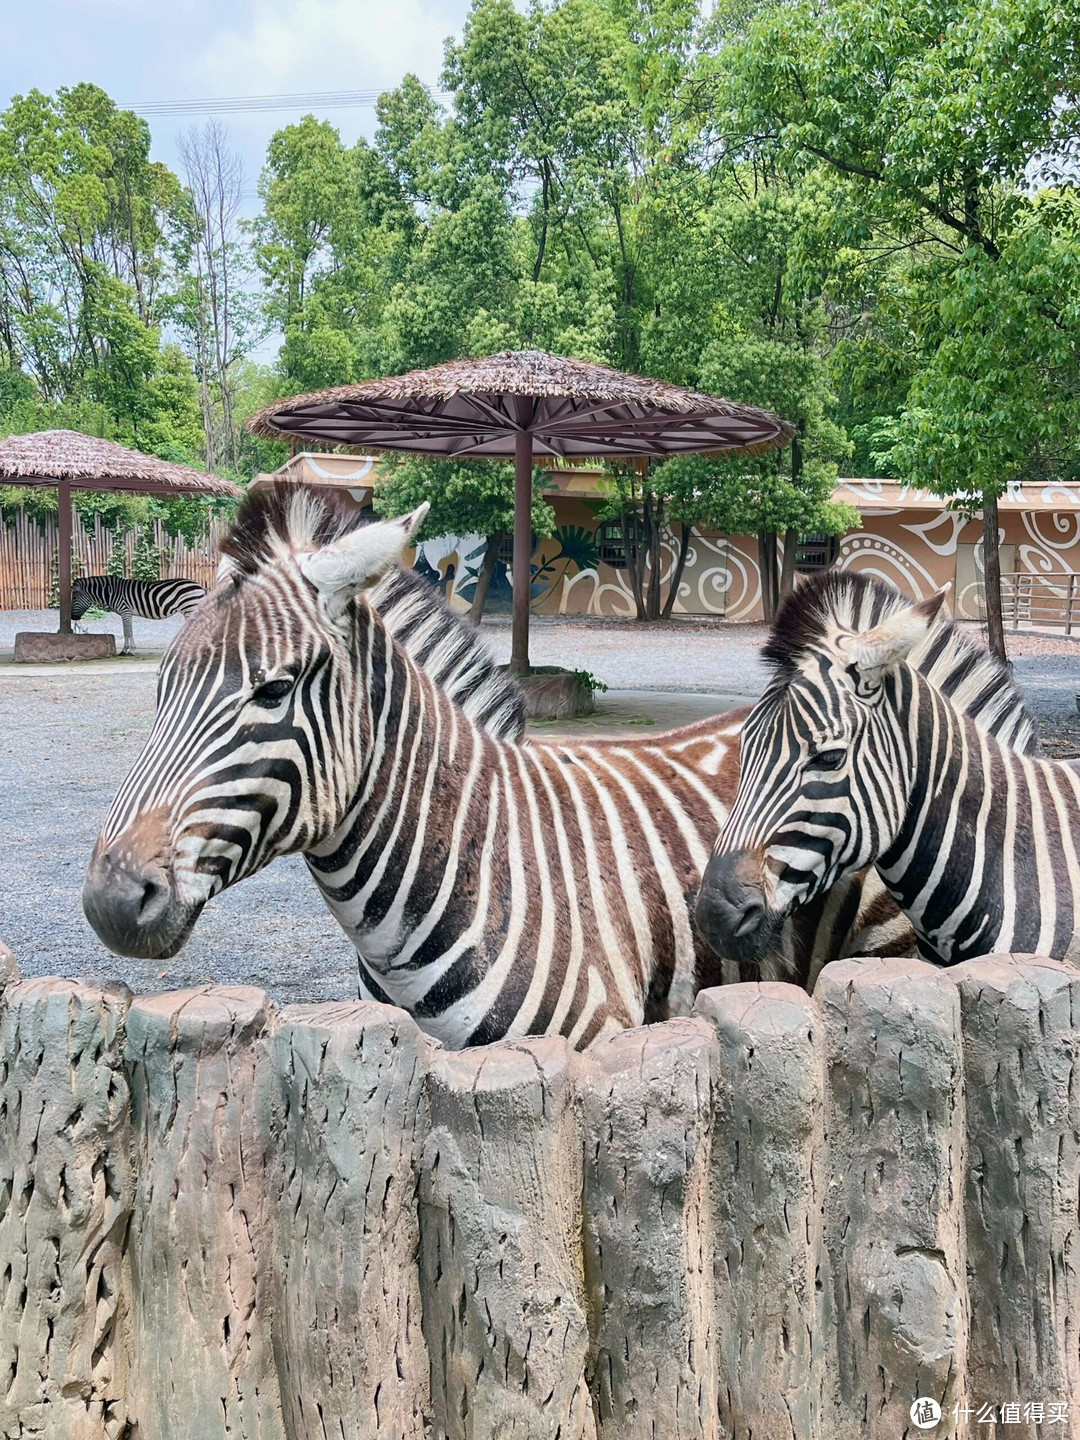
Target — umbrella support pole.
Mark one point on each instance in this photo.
(64, 562)
(523, 467)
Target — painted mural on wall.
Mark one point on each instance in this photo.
(569, 578)
(909, 539)
(906, 538)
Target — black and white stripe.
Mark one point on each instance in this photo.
(149, 599)
(491, 887)
(888, 738)
(449, 652)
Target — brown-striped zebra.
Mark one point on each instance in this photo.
(490, 887)
(887, 738)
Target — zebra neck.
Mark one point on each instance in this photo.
(985, 857)
(426, 808)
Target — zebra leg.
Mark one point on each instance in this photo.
(129, 636)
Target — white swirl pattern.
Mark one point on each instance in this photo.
(721, 576)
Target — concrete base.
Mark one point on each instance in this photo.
(45, 647)
(552, 694)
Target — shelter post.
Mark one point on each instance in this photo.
(523, 467)
(64, 565)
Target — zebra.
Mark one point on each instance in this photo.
(887, 738)
(150, 599)
(491, 887)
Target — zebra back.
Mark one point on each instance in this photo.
(150, 599)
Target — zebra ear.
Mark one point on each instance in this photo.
(358, 559)
(226, 566)
(891, 642)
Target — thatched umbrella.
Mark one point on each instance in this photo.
(72, 461)
(524, 404)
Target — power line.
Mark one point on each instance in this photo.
(259, 104)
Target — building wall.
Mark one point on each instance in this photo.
(917, 550)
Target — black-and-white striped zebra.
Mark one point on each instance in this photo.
(887, 737)
(149, 599)
(490, 887)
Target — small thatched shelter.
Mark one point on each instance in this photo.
(524, 404)
(73, 461)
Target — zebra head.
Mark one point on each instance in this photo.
(256, 694)
(823, 779)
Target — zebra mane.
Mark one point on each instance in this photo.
(840, 600)
(276, 520)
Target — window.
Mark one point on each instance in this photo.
(611, 542)
(815, 553)
(506, 548)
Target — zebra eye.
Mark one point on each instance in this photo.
(827, 760)
(272, 692)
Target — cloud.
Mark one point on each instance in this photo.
(189, 49)
(283, 45)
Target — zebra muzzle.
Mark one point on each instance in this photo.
(133, 906)
(732, 912)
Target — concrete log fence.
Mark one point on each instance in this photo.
(787, 1216)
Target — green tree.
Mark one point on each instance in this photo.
(995, 394)
(927, 124)
(85, 222)
(214, 307)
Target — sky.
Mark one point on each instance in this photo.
(168, 50)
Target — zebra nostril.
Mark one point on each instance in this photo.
(155, 901)
(750, 920)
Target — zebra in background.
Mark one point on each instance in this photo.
(491, 888)
(149, 599)
(862, 752)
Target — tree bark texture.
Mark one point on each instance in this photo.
(483, 580)
(685, 534)
(995, 624)
(787, 569)
(767, 569)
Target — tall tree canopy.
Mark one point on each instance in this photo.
(932, 129)
(862, 216)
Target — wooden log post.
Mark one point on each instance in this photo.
(500, 1255)
(203, 1364)
(894, 1126)
(648, 1098)
(63, 564)
(774, 1331)
(9, 969)
(523, 481)
(1021, 1051)
(65, 1201)
(344, 1121)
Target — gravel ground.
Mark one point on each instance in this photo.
(150, 635)
(67, 742)
(710, 657)
(67, 737)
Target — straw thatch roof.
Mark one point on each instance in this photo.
(48, 456)
(572, 409)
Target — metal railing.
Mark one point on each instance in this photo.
(1042, 601)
